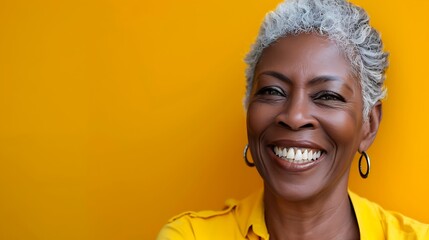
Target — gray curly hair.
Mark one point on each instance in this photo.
(340, 21)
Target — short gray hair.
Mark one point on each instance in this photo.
(342, 22)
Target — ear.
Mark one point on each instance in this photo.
(370, 127)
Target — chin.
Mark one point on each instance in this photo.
(292, 192)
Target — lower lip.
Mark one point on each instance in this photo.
(292, 166)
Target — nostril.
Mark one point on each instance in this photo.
(308, 125)
(283, 124)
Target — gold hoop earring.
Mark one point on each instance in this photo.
(368, 164)
(248, 163)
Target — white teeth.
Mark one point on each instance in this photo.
(277, 151)
(291, 153)
(316, 155)
(305, 155)
(297, 155)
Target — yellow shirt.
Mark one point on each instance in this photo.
(245, 220)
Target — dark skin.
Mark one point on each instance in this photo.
(305, 96)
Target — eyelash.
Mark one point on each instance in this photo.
(323, 95)
(329, 96)
(271, 91)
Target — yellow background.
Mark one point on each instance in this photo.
(116, 115)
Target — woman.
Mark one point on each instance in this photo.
(314, 89)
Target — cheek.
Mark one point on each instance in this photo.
(344, 129)
(258, 119)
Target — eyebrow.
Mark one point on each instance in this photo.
(278, 76)
(315, 81)
(327, 78)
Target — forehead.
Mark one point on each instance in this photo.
(304, 55)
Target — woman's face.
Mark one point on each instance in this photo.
(304, 118)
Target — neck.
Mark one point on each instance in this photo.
(326, 216)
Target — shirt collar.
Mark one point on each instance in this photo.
(368, 218)
(250, 216)
(251, 219)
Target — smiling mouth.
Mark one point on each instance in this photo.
(297, 154)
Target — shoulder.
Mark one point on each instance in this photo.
(202, 225)
(396, 224)
(391, 225)
(238, 220)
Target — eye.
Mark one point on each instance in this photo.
(271, 90)
(329, 96)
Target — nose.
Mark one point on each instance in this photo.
(297, 114)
